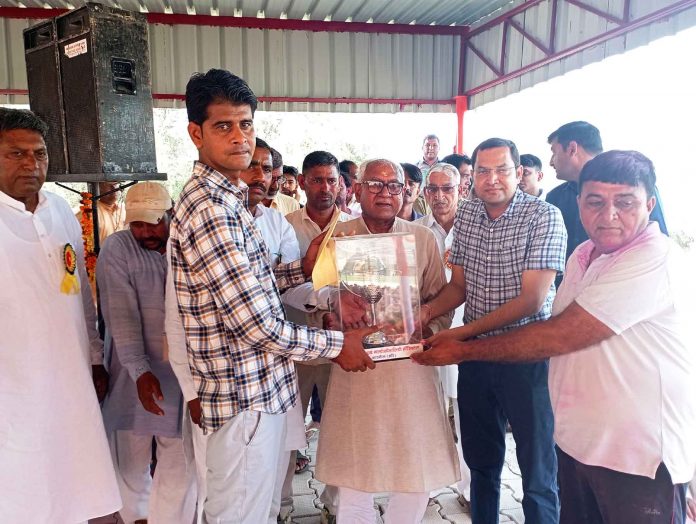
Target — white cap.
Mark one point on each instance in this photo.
(147, 202)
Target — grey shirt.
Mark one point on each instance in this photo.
(131, 283)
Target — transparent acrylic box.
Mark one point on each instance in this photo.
(382, 270)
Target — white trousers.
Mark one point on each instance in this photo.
(169, 496)
(241, 467)
(357, 507)
(464, 485)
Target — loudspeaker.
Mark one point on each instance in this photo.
(45, 98)
(104, 93)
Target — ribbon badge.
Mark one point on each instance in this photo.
(70, 285)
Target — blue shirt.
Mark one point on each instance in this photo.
(529, 235)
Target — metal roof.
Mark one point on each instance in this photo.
(423, 12)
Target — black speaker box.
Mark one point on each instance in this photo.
(104, 93)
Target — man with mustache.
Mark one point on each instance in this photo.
(274, 197)
(145, 401)
(54, 453)
(411, 193)
(442, 193)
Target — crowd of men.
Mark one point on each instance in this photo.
(565, 317)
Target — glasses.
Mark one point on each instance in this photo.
(376, 187)
(317, 181)
(500, 171)
(447, 190)
(278, 180)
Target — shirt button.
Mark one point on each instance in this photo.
(486, 290)
(488, 258)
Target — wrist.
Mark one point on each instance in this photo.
(426, 313)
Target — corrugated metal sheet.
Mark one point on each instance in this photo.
(575, 25)
(296, 64)
(305, 64)
(426, 12)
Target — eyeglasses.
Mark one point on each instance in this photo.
(278, 180)
(376, 187)
(447, 190)
(500, 171)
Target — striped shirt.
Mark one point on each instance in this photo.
(529, 235)
(239, 344)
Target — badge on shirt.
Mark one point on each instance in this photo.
(70, 285)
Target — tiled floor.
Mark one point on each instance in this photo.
(445, 508)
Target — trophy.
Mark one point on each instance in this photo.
(368, 269)
(382, 270)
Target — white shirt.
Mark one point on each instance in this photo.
(629, 402)
(448, 374)
(56, 464)
(278, 235)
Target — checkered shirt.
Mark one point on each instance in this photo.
(529, 235)
(240, 346)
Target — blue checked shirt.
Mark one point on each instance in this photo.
(529, 235)
(240, 346)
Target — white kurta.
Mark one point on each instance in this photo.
(55, 464)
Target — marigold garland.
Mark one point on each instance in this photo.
(88, 235)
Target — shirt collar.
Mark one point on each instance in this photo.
(584, 250)
(215, 177)
(305, 216)
(258, 212)
(7, 200)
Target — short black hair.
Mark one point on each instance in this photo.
(12, 119)
(413, 173)
(346, 179)
(529, 160)
(491, 143)
(431, 137)
(217, 85)
(620, 167)
(456, 160)
(345, 165)
(584, 133)
(319, 158)
(260, 143)
(277, 158)
(290, 170)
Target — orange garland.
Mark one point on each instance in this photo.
(88, 235)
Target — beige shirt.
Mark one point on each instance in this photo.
(284, 203)
(393, 417)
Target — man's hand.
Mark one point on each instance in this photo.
(440, 352)
(312, 253)
(195, 411)
(100, 378)
(331, 322)
(352, 356)
(149, 387)
(353, 310)
(310, 257)
(690, 508)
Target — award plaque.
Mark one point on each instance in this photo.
(381, 269)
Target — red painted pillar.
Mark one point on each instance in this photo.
(461, 107)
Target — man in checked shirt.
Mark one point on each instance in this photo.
(507, 248)
(240, 346)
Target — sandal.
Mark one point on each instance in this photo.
(301, 463)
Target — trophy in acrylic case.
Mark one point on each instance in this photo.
(381, 269)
